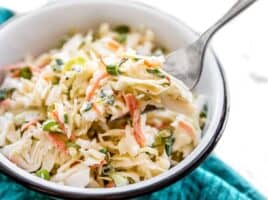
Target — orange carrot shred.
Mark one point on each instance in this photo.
(58, 142)
(135, 113)
(113, 45)
(95, 85)
(110, 184)
(27, 125)
(57, 118)
(188, 128)
(95, 107)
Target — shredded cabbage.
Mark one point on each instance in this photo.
(78, 115)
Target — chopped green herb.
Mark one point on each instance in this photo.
(161, 136)
(76, 61)
(203, 117)
(59, 61)
(130, 180)
(156, 72)
(104, 150)
(122, 29)
(25, 72)
(5, 93)
(66, 120)
(108, 99)
(72, 145)
(112, 69)
(102, 94)
(88, 107)
(204, 112)
(43, 173)
(50, 126)
(121, 38)
(169, 141)
(164, 138)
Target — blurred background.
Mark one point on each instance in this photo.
(241, 47)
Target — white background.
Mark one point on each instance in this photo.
(242, 49)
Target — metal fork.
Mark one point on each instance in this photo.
(186, 64)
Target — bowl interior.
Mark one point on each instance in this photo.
(40, 30)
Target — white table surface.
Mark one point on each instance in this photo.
(241, 47)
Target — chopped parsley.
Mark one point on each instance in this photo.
(122, 29)
(43, 173)
(25, 73)
(88, 107)
(5, 93)
(112, 69)
(50, 126)
(121, 38)
(156, 72)
(204, 112)
(66, 120)
(164, 139)
(104, 150)
(169, 141)
(109, 99)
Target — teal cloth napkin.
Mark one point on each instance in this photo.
(213, 180)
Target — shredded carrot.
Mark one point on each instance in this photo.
(27, 125)
(96, 85)
(15, 74)
(14, 158)
(58, 142)
(57, 118)
(35, 69)
(188, 128)
(47, 78)
(72, 138)
(95, 107)
(159, 126)
(151, 63)
(168, 78)
(113, 45)
(102, 64)
(95, 166)
(135, 113)
(5, 103)
(110, 184)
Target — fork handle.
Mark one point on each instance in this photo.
(236, 9)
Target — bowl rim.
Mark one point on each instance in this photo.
(195, 162)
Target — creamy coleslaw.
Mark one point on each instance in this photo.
(98, 111)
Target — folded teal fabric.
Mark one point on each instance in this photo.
(213, 180)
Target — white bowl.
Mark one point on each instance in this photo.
(40, 30)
